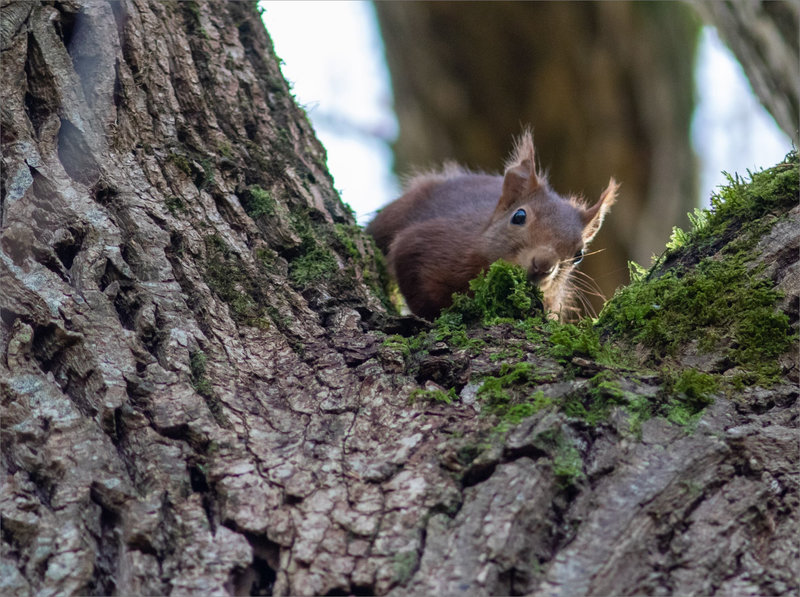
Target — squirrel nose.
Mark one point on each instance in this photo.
(541, 266)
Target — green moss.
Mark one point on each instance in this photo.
(568, 340)
(509, 397)
(227, 276)
(513, 353)
(723, 303)
(345, 234)
(267, 258)
(174, 205)
(315, 261)
(532, 328)
(197, 366)
(639, 409)
(774, 189)
(517, 412)
(695, 387)
(450, 327)
(225, 149)
(313, 265)
(690, 392)
(203, 177)
(594, 402)
(502, 292)
(636, 272)
(568, 464)
(258, 203)
(567, 461)
(447, 397)
(763, 333)
(365, 258)
(388, 291)
(679, 238)
(398, 343)
(510, 375)
(181, 162)
(718, 303)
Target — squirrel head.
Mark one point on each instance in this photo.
(538, 229)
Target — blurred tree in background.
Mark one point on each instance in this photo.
(607, 88)
(765, 36)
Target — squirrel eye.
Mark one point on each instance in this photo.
(519, 217)
(578, 257)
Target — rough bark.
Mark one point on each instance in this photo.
(606, 86)
(199, 397)
(765, 37)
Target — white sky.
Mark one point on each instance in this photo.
(334, 59)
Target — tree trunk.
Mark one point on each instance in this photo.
(765, 38)
(204, 392)
(606, 86)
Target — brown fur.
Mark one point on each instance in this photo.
(450, 226)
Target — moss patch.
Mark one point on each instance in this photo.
(567, 341)
(495, 390)
(502, 292)
(314, 264)
(258, 203)
(334, 254)
(690, 393)
(567, 461)
(365, 259)
(445, 397)
(174, 204)
(315, 261)
(722, 302)
(201, 171)
(181, 162)
(716, 302)
(227, 276)
(594, 403)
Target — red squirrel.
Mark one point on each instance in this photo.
(451, 225)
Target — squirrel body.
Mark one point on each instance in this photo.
(449, 226)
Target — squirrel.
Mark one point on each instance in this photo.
(450, 225)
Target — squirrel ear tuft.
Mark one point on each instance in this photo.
(520, 177)
(524, 156)
(593, 216)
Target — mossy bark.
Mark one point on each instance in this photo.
(202, 390)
